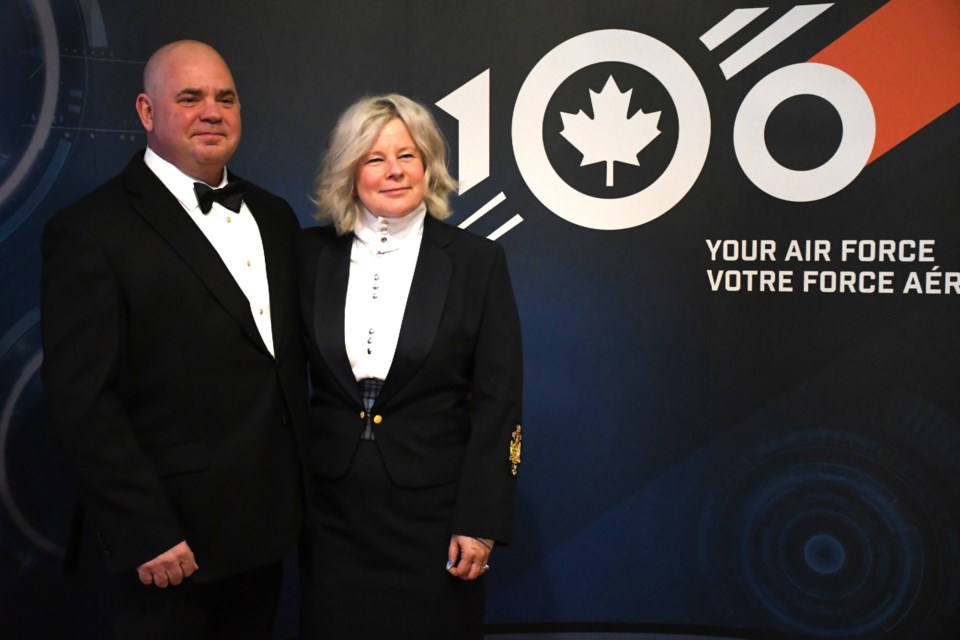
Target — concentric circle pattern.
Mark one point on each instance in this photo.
(833, 535)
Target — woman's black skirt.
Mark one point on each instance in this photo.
(375, 560)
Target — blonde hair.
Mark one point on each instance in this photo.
(351, 139)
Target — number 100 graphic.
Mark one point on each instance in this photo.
(825, 76)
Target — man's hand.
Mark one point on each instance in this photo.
(170, 567)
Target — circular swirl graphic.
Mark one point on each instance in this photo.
(34, 489)
(832, 535)
(42, 101)
(43, 29)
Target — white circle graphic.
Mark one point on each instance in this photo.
(693, 115)
(856, 143)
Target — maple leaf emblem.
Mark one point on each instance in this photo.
(610, 136)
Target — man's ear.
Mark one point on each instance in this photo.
(145, 111)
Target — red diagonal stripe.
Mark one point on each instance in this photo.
(906, 56)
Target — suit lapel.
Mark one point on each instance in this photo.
(277, 245)
(160, 209)
(330, 296)
(425, 304)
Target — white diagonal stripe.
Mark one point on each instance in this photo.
(720, 32)
(497, 199)
(506, 226)
(790, 23)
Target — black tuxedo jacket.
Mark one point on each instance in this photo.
(452, 398)
(178, 420)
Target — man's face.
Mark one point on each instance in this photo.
(191, 111)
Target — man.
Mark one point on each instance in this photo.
(173, 365)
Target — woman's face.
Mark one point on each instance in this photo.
(390, 176)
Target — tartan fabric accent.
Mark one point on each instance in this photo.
(369, 390)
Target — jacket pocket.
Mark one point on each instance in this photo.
(180, 459)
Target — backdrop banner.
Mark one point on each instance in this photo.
(734, 234)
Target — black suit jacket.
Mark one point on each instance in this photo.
(177, 418)
(452, 398)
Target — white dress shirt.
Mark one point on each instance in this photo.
(235, 236)
(382, 262)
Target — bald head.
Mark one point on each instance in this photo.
(190, 109)
(171, 54)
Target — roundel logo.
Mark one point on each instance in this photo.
(612, 136)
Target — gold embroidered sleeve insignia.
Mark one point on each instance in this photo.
(515, 441)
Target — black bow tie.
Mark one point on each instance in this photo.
(230, 196)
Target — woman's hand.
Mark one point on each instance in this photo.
(468, 557)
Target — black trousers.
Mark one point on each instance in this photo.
(241, 607)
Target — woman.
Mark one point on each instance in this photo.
(415, 363)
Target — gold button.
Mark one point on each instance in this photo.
(377, 419)
(228, 218)
(261, 311)
(363, 414)
(249, 263)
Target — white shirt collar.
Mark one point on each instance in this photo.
(381, 235)
(175, 180)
